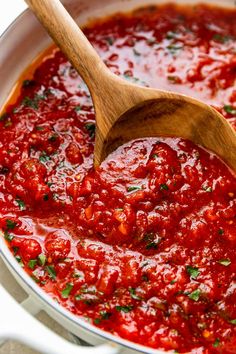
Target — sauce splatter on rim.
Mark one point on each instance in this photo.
(144, 246)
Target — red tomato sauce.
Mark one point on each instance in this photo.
(143, 247)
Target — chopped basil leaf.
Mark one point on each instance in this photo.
(173, 281)
(229, 109)
(193, 271)
(51, 271)
(105, 315)
(170, 35)
(39, 128)
(125, 309)
(45, 197)
(207, 189)
(77, 108)
(90, 128)
(110, 40)
(42, 259)
(133, 188)
(220, 38)
(28, 83)
(145, 277)
(3, 116)
(164, 187)
(35, 278)
(28, 102)
(19, 260)
(174, 48)
(15, 250)
(216, 343)
(44, 157)
(195, 295)
(232, 322)
(76, 275)
(10, 224)
(152, 245)
(132, 292)
(225, 262)
(66, 292)
(220, 231)
(21, 204)
(53, 138)
(32, 263)
(97, 321)
(8, 237)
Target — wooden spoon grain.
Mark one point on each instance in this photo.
(125, 111)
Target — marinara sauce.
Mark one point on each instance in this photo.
(143, 247)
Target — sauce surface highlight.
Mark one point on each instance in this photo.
(144, 246)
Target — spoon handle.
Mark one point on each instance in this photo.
(71, 40)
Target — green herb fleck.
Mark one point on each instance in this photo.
(8, 237)
(29, 102)
(173, 281)
(45, 197)
(35, 278)
(66, 292)
(151, 245)
(28, 83)
(192, 271)
(51, 271)
(220, 231)
(133, 188)
(195, 295)
(21, 204)
(225, 262)
(216, 343)
(110, 40)
(125, 309)
(42, 259)
(19, 260)
(229, 109)
(145, 277)
(170, 35)
(10, 224)
(38, 127)
(164, 187)
(207, 189)
(53, 138)
(133, 294)
(221, 38)
(90, 128)
(32, 263)
(105, 315)
(232, 322)
(44, 157)
(97, 321)
(3, 116)
(77, 108)
(173, 79)
(174, 48)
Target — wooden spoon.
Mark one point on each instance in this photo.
(125, 111)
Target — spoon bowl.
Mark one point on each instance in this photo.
(125, 111)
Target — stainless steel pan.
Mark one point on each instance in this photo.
(19, 45)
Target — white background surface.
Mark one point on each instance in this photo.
(9, 10)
